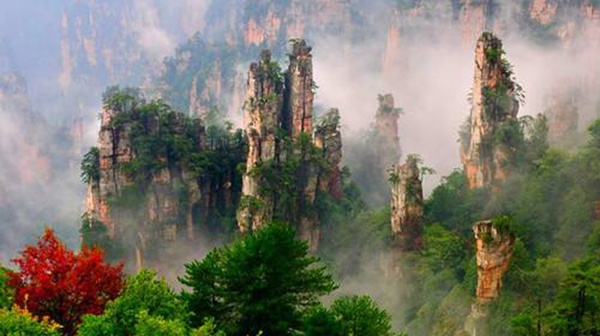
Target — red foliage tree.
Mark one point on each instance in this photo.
(53, 281)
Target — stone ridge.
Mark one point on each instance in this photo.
(386, 126)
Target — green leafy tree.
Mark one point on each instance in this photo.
(359, 315)
(442, 248)
(454, 206)
(145, 303)
(577, 306)
(6, 292)
(523, 324)
(19, 322)
(320, 321)
(536, 137)
(148, 325)
(90, 166)
(209, 328)
(94, 234)
(541, 290)
(261, 283)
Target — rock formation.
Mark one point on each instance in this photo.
(269, 23)
(151, 181)
(487, 156)
(392, 56)
(197, 78)
(94, 55)
(203, 70)
(284, 170)
(151, 210)
(563, 117)
(376, 152)
(386, 130)
(494, 244)
(407, 205)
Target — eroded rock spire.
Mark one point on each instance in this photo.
(287, 164)
(407, 204)
(329, 138)
(299, 89)
(486, 152)
(262, 119)
(494, 244)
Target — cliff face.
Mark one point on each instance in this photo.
(93, 55)
(202, 74)
(268, 23)
(407, 205)
(149, 209)
(486, 152)
(494, 250)
(476, 17)
(206, 75)
(284, 168)
(155, 179)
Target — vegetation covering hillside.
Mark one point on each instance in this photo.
(267, 281)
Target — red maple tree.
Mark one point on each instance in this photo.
(53, 281)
